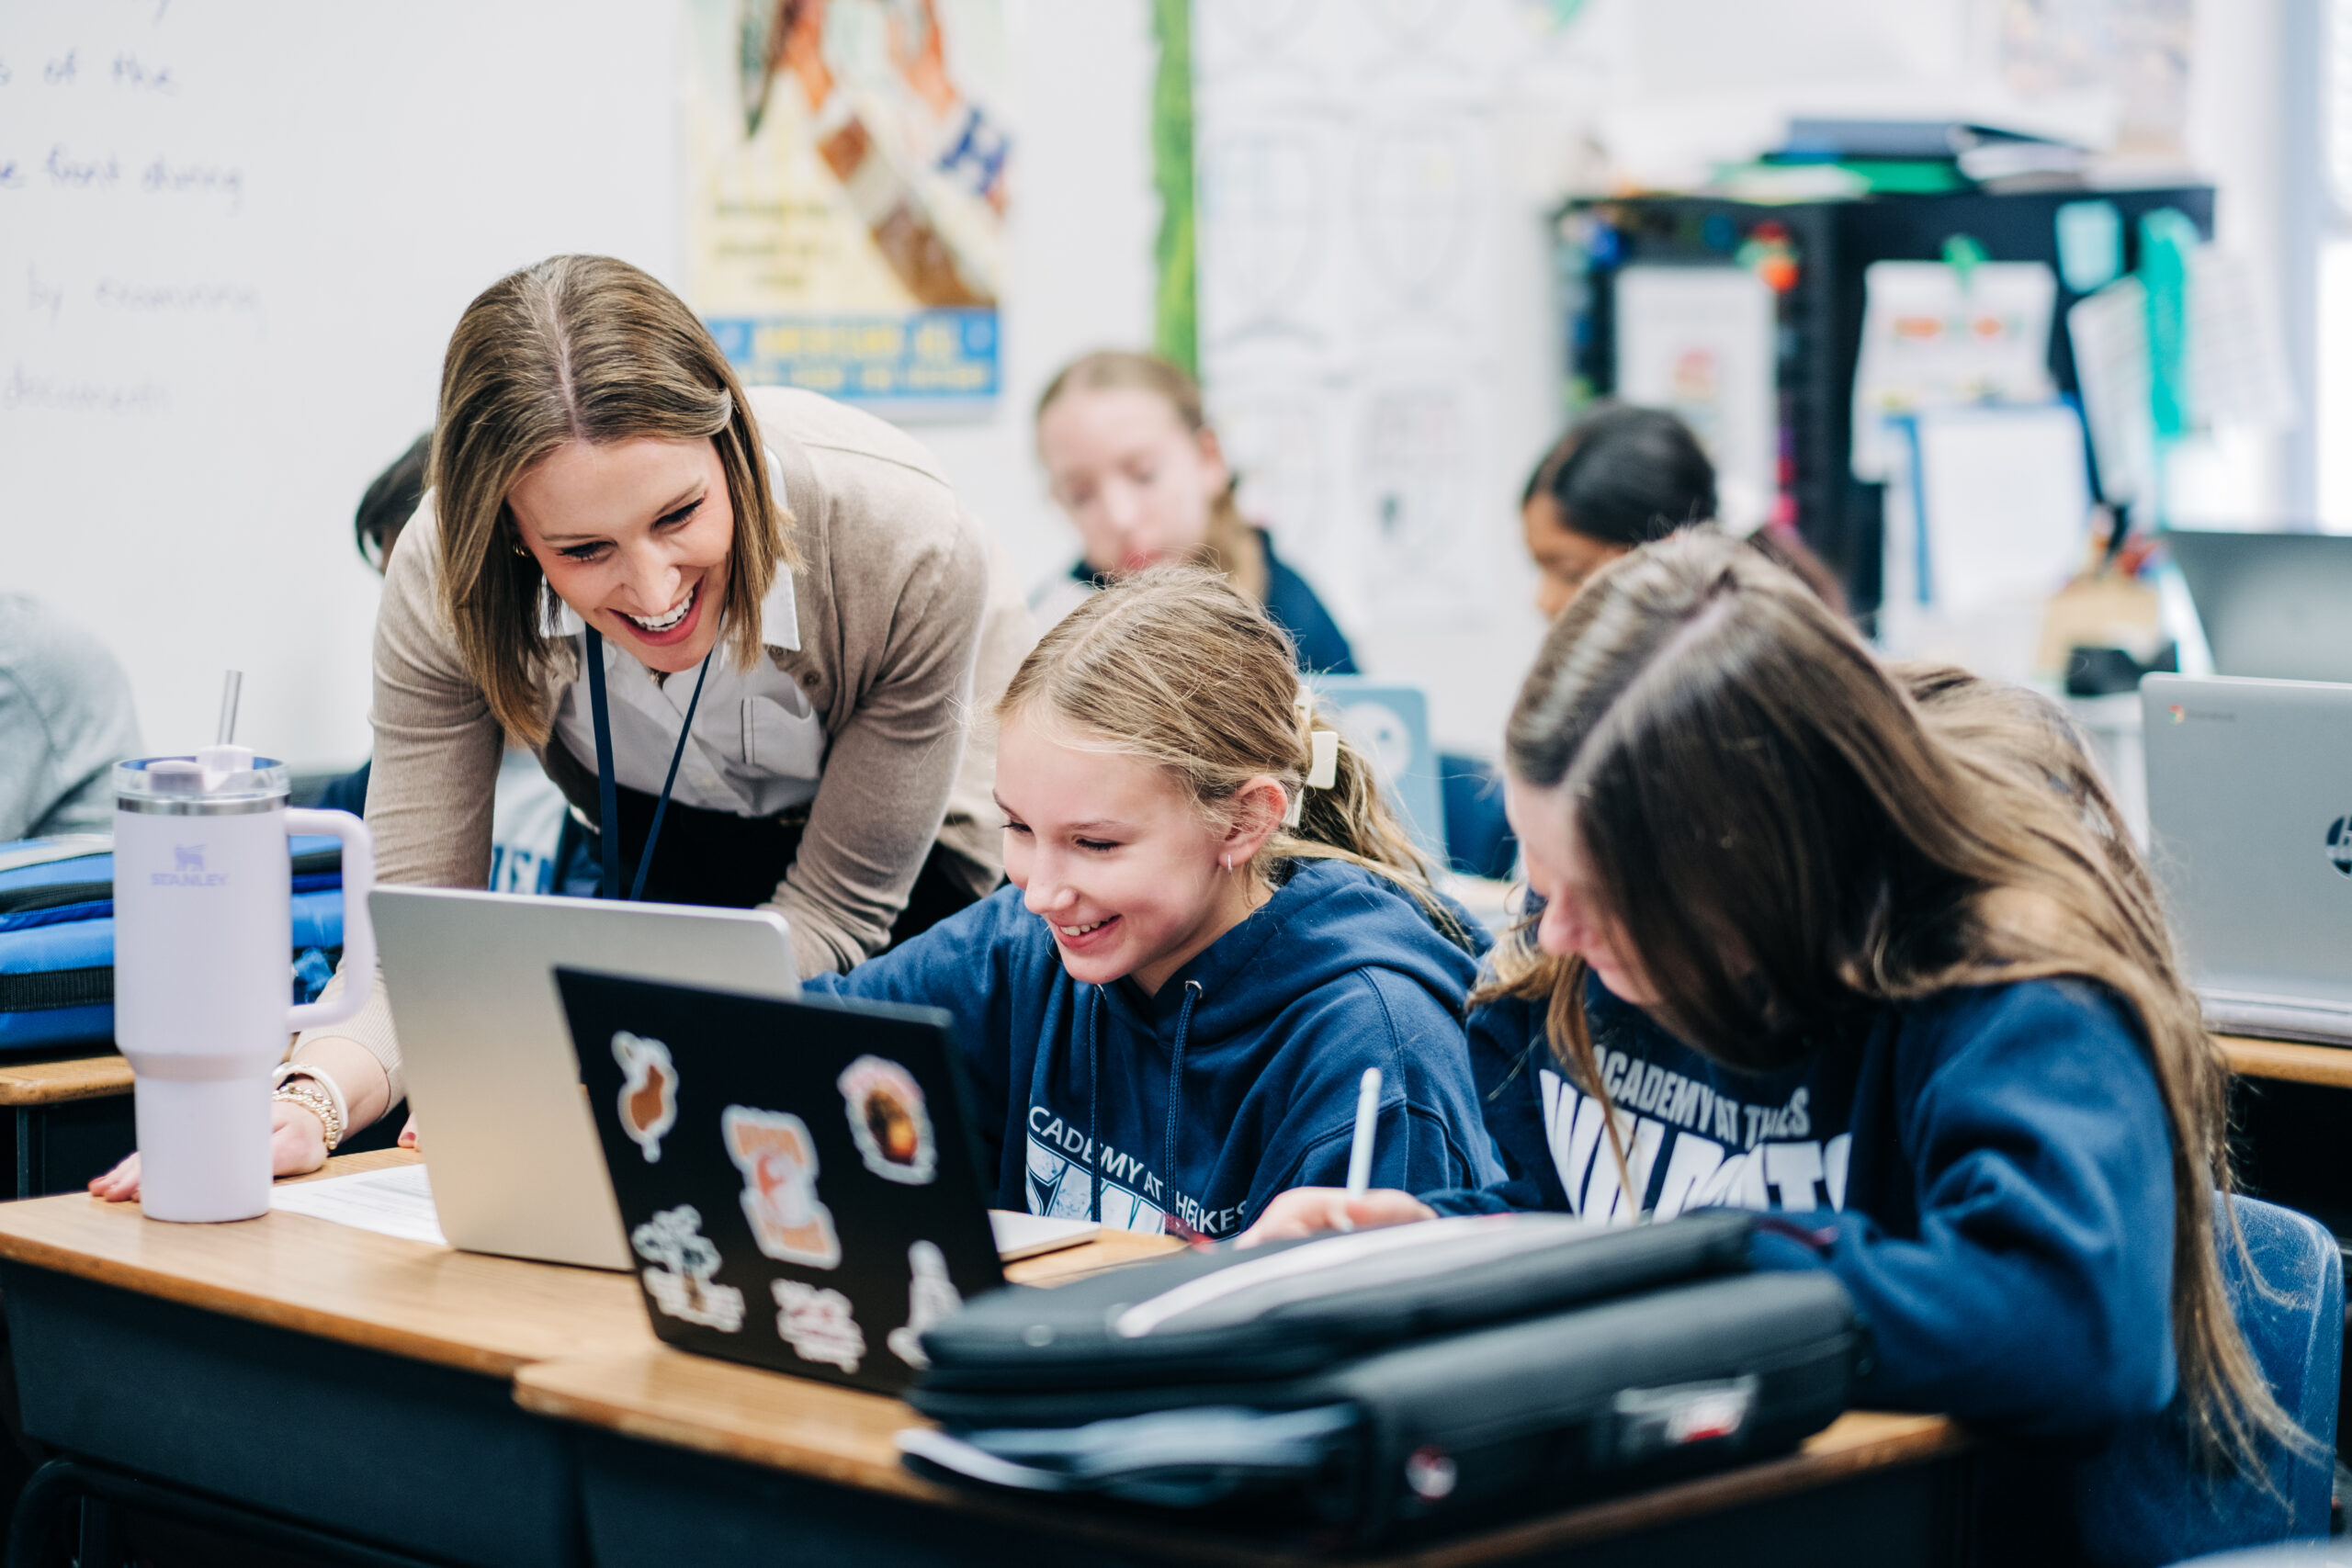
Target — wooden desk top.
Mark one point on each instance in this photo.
(460, 1309)
(52, 1083)
(2330, 1065)
(845, 1436)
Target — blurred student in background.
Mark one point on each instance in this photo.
(385, 508)
(1622, 475)
(65, 720)
(1130, 457)
(1618, 477)
(532, 837)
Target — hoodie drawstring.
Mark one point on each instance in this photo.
(1094, 1104)
(1176, 1086)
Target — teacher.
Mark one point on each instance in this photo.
(788, 585)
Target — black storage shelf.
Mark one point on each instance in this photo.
(1820, 317)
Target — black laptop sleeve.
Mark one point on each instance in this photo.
(1361, 1391)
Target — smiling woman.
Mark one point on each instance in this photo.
(757, 619)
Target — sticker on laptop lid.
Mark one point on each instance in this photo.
(817, 1323)
(649, 1091)
(888, 1119)
(778, 1160)
(932, 1299)
(683, 1262)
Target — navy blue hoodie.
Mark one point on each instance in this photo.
(1988, 1170)
(1235, 1081)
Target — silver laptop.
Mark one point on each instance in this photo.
(510, 1146)
(2272, 604)
(2250, 827)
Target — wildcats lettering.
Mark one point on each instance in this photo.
(1685, 1147)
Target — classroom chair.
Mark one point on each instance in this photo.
(2144, 1499)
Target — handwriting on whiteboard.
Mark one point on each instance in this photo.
(91, 154)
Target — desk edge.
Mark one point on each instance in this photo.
(1917, 1440)
(230, 1302)
(2290, 1060)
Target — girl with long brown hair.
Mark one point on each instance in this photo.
(1867, 947)
(1214, 926)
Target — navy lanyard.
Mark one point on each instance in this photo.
(608, 789)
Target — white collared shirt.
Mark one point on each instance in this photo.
(758, 746)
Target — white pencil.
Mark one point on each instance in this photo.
(1359, 1152)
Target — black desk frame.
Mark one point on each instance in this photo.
(212, 1417)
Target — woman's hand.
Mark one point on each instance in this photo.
(1307, 1211)
(408, 1131)
(298, 1144)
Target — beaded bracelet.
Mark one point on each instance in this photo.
(306, 1093)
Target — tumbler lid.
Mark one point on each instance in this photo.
(218, 780)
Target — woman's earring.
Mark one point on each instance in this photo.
(1226, 861)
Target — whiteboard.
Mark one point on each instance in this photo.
(234, 236)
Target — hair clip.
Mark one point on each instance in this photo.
(1323, 768)
(1322, 757)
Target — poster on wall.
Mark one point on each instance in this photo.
(846, 189)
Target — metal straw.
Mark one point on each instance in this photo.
(228, 690)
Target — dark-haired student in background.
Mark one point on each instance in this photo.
(1620, 476)
(385, 508)
(533, 842)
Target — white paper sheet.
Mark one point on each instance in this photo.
(2004, 503)
(398, 1201)
(2109, 334)
(1931, 340)
(1699, 340)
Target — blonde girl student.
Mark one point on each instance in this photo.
(1811, 944)
(1214, 927)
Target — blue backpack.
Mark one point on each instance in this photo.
(57, 936)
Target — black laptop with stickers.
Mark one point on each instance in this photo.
(794, 1177)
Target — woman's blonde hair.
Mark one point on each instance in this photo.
(1784, 832)
(1233, 547)
(578, 348)
(1173, 665)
